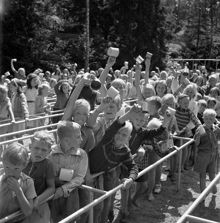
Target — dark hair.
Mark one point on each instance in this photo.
(30, 77)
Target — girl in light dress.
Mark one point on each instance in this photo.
(31, 92)
(41, 105)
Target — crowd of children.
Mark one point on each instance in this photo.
(100, 132)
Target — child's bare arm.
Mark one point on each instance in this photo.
(104, 74)
(25, 204)
(137, 82)
(12, 65)
(147, 70)
(91, 122)
(73, 97)
(48, 192)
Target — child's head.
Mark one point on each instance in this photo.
(163, 75)
(209, 116)
(21, 72)
(191, 91)
(41, 144)
(81, 111)
(44, 89)
(119, 85)
(139, 120)
(32, 81)
(183, 101)
(15, 158)
(161, 88)
(123, 135)
(154, 104)
(148, 91)
(199, 81)
(214, 92)
(212, 80)
(211, 102)
(53, 82)
(69, 134)
(112, 107)
(3, 93)
(65, 87)
(169, 100)
(202, 105)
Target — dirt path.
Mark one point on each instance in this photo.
(170, 204)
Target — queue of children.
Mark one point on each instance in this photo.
(101, 133)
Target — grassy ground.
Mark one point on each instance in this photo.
(170, 204)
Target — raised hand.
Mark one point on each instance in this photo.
(111, 61)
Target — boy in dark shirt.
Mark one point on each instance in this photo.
(112, 150)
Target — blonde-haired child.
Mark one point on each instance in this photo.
(41, 170)
(206, 139)
(78, 111)
(70, 163)
(41, 105)
(16, 189)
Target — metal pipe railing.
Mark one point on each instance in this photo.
(28, 130)
(33, 119)
(22, 138)
(199, 199)
(200, 220)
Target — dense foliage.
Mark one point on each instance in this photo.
(47, 32)
(194, 27)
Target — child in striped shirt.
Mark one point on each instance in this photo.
(185, 117)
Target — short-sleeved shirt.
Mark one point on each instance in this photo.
(8, 202)
(40, 172)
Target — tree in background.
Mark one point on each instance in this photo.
(47, 32)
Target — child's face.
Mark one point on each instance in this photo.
(152, 110)
(170, 103)
(184, 103)
(122, 137)
(191, 93)
(209, 120)
(202, 108)
(147, 92)
(211, 104)
(138, 121)
(214, 94)
(65, 88)
(39, 150)
(34, 82)
(160, 89)
(12, 170)
(80, 115)
(110, 110)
